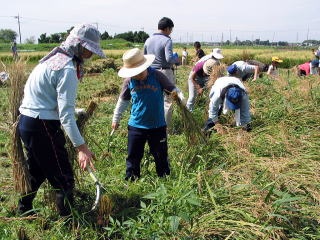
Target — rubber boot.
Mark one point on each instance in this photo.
(64, 202)
(25, 204)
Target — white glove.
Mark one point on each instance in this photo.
(79, 111)
(182, 98)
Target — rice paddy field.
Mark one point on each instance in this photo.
(263, 184)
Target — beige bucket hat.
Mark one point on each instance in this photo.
(208, 66)
(134, 62)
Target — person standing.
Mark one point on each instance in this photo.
(315, 64)
(14, 50)
(199, 52)
(184, 60)
(228, 94)
(144, 87)
(49, 103)
(160, 45)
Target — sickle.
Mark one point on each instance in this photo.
(98, 188)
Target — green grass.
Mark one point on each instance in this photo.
(259, 185)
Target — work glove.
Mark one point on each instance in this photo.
(208, 127)
(182, 98)
(177, 94)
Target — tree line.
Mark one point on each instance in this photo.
(8, 35)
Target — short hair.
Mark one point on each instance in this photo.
(197, 44)
(165, 23)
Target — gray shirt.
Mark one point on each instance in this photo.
(161, 46)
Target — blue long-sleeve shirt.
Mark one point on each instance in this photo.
(146, 96)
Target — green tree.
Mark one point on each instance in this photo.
(7, 35)
(30, 40)
(55, 38)
(43, 38)
(141, 36)
(105, 36)
(133, 36)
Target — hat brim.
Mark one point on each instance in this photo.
(217, 55)
(231, 105)
(278, 61)
(232, 69)
(126, 72)
(94, 48)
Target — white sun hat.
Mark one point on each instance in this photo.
(217, 53)
(90, 37)
(134, 62)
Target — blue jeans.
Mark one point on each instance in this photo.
(245, 116)
(157, 141)
(215, 109)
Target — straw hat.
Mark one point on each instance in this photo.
(134, 62)
(217, 53)
(208, 66)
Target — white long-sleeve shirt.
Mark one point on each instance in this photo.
(51, 95)
(216, 100)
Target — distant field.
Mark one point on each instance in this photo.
(291, 57)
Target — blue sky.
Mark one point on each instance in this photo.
(274, 20)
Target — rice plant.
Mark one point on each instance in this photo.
(235, 185)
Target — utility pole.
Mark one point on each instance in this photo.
(19, 26)
(221, 38)
(274, 33)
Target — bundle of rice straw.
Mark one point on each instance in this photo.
(105, 210)
(217, 72)
(81, 121)
(20, 170)
(192, 131)
(83, 118)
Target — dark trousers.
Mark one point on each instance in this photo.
(157, 141)
(47, 158)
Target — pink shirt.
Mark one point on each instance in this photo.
(305, 67)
